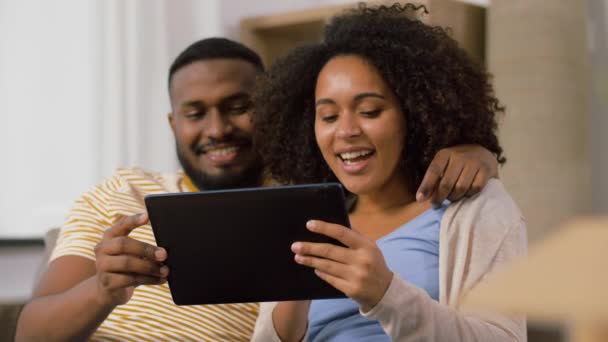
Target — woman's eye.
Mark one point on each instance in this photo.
(371, 113)
(329, 118)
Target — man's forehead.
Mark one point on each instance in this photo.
(215, 75)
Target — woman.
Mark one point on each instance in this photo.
(369, 107)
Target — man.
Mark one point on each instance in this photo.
(110, 283)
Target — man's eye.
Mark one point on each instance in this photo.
(194, 115)
(371, 113)
(237, 108)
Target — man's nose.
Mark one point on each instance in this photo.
(217, 126)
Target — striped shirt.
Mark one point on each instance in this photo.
(150, 314)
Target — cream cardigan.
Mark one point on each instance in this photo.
(477, 236)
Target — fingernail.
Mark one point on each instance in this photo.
(419, 196)
(160, 254)
(298, 258)
(164, 271)
(295, 247)
(311, 225)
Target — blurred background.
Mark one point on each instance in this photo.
(83, 89)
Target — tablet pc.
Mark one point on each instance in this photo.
(234, 246)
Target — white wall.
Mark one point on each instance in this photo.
(47, 111)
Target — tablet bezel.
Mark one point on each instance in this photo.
(226, 266)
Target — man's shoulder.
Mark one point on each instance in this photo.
(136, 173)
(136, 177)
(132, 183)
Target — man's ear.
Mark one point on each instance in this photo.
(171, 121)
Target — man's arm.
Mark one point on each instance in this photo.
(65, 306)
(76, 294)
(457, 171)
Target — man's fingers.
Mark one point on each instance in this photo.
(131, 264)
(450, 176)
(433, 176)
(123, 280)
(463, 184)
(480, 180)
(126, 245)
(126, 225)
(488, 163)
(145, 280)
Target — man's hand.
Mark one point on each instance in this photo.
(124, 263)
(456, 172)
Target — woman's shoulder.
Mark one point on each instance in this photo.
(492, 204)
(487, 218)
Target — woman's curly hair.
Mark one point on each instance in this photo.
(446, 97)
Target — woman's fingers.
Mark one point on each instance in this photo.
(322, 250)
(338, 283)
(347, 236)
(334, 268)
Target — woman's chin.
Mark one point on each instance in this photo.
(356, 188)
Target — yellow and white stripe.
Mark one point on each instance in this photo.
(150, 315)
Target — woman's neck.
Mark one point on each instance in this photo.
(386, 200)
(377, 214)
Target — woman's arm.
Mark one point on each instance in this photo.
(282, 321)
(408, 313)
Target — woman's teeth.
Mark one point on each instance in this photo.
(351, 157)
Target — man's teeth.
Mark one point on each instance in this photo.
(348, 156)
(223, 151)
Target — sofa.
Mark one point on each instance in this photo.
(9, 312)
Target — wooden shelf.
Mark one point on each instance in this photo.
(274, 35)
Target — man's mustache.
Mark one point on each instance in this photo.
(238, 141)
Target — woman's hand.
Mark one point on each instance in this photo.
(358, 270)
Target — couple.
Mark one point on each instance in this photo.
(377, 103)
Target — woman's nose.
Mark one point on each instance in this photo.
(348, 127)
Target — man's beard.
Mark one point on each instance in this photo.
(251, 176)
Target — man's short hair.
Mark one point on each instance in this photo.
(214, 48)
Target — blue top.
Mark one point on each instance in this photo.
(412, 252)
